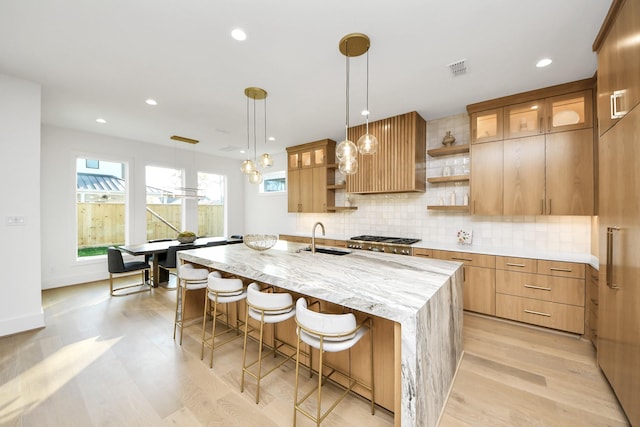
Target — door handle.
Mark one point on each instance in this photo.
(609, 267)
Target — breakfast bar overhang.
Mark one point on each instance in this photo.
(422, 297)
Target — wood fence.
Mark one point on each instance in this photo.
(102, 224)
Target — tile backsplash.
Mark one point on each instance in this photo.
(406, 214)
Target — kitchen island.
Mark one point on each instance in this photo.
(421, 297)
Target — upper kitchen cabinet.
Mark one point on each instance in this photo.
(618, 49)
(311, 173)
(486, 126)
(399, 165)
(556, 114)
(544, 165)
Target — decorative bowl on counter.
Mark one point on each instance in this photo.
(260, 242)
(186, 237)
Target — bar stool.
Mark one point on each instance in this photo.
(265, 307)
(220, 291)
(189, 279)
(332, 333)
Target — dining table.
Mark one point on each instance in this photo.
(154, 250)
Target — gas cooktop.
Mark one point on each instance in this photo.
(383, 239)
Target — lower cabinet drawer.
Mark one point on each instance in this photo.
(542, 313)
(538, 286)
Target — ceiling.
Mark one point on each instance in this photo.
(104, 59)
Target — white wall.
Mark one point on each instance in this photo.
(20, 304)
(61, 147)
(267, 213)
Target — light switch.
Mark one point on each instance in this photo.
(16, 220)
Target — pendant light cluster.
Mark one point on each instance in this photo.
(354, 44)
(249, 167)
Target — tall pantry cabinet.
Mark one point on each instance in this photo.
(619, 203)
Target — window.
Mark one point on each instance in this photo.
(274, 182)
(100, 206)
(211, 205)
(165, 193)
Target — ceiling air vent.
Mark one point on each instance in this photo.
(458, 68)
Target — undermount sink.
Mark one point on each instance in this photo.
(330, 251)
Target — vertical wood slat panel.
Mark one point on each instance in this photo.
(400, 163)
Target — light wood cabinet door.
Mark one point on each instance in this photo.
(486, 126)
(487, 178)
(306, 190)
(569, 173)
(319, 189)
(479, 290)
(293, 191)
(619, 284)
(524, 119)
(524, 176)
(568, 112)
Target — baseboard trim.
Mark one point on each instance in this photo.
(22, 323)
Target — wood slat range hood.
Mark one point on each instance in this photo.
(399, 165)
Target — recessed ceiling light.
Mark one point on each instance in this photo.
(271, 138)
(151, 101)
(543, 62)
(238, 34)
(242, 151)
(101, 120)
(365, 112)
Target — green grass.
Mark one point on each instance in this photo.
(95, 251)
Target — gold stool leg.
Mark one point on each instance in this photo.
(213, 329)
(260, 358)
(244, 351)
(204, 323)
(295, 394)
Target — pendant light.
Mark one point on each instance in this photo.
(249, 166)
(367, 143)
(354, 44)
(265, 159)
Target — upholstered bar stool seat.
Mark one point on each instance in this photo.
(329, 333)
(266, 308)
(189, 279)
(221, 291)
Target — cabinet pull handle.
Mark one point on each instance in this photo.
(565, 270)
(615, 114)
(461, 259)
(513, 264)
(549, 212)
(474, 207)
(537, 287)
(610, 231)
(540, 130)
(542, 207)
(537, 313)
(594, 302)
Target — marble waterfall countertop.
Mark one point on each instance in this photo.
(424, 296)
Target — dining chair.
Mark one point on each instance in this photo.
(117, 267)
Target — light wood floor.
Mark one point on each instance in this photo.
(105, 361)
